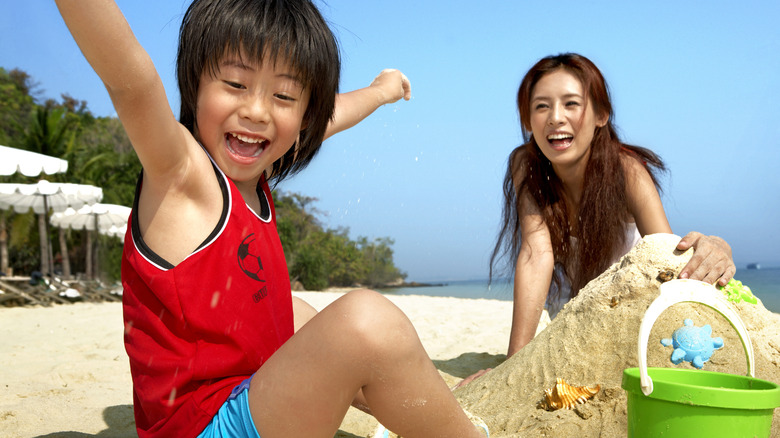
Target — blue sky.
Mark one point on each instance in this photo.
(697, 82)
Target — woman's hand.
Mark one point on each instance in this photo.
(711, 261)
(471, 378)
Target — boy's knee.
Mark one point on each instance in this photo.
(377, 323)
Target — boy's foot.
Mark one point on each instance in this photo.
(478, 422)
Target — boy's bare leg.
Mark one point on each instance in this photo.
(361, 341)
(303, 312)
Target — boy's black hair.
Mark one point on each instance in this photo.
(291, 31)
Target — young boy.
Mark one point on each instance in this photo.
(207, 305)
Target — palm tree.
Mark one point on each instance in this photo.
(50, 133)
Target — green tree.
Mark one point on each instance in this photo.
(66, 130)
(16, 105)
(295, 220)
(103, 156)
(345, 263)
(319, 258)
(50, 132)
(378, 254)
(310, 267)
(328, 258)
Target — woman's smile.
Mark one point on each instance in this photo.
(560, 140)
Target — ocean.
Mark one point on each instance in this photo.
(765, 284)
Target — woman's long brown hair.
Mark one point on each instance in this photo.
(601, 220)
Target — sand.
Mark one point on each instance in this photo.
(594, 338)
(64, 371)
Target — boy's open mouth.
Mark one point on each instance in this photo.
(560, 140)
(245, 146)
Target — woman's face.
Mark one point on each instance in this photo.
(562, 120)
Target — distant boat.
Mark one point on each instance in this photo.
(753, 266)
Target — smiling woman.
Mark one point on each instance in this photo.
(576, 197)
(564, 123)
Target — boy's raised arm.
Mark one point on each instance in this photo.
(107, 42)
(388, 87)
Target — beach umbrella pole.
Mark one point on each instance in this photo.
(3, 244)
(96, 265)
(89, 254)
(65, 255)
(44, 245)
(50, 252)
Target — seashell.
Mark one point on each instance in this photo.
(565, 396)
(665, 276)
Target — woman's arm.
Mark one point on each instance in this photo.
(388, 87)
(711, 261)
(644, 202)
(533, 274)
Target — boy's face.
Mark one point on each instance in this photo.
(249, 115)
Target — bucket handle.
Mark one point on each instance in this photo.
(686, 290)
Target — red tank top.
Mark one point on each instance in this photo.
(196, 330)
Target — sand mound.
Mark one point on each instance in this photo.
(594, 338)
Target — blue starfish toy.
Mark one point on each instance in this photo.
(692, 344)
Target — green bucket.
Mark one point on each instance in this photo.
(688, 403)
(673, 402)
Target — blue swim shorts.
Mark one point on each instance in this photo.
(233, 420)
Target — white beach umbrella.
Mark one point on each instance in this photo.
(115, 231)
(99, 217)
(29, 163)
(105, 218)
(13, 160)
(42, 197)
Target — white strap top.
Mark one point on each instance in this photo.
(554, 305)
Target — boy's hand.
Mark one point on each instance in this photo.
(392, 86)
(389, 86)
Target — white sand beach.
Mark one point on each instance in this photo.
(64, 371)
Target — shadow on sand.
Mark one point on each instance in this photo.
(119, 419)
(469, 363)
(121, 424)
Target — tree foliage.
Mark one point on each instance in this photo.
(16, 88)
(319, 257)
(100, 154)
